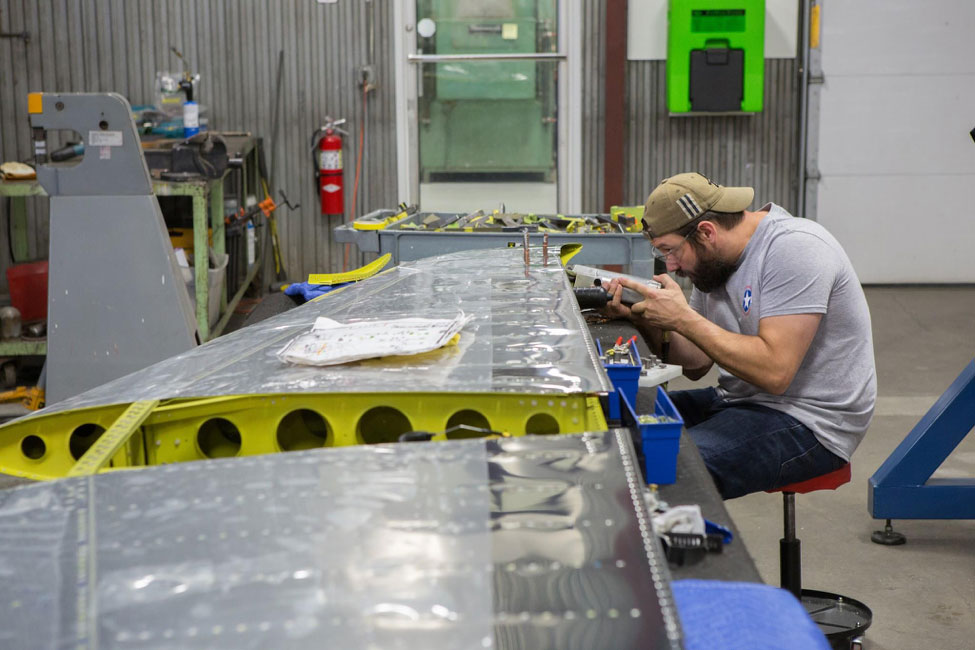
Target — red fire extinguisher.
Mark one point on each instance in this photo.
(327, 153)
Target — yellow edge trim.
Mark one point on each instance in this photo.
(180, 403)
(355, 275)
(35, 102)
(814, 27)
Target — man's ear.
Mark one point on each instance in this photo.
(708, 231)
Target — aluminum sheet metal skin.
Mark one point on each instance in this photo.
(523, 543)
(527, 335)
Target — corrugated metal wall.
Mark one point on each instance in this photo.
(759, 151)
(118, 45)
(101, 45)
(593, 103)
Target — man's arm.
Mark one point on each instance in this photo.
(681, 351)
(769, 360)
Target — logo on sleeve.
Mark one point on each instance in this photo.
(746, 301)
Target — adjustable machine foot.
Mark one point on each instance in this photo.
(887, 536)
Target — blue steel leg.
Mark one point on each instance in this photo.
(901, 489)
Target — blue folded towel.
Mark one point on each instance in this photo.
(743, 616)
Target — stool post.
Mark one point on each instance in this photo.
(789, 516)
(790, 567)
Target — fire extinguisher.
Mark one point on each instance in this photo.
(327, 156)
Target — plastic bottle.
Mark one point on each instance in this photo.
(251, 243)
(191, 119)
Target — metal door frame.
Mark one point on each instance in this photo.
(569, 152)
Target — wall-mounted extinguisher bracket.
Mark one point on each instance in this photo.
(327, 156)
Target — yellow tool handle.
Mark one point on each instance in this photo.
(359, 224)
(568, 251)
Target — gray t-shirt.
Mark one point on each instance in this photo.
(794, 266)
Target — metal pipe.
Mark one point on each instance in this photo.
(803, 110)
(371, 14)
(275, 115)
(515, 56)
(615, 112)
(789, 516)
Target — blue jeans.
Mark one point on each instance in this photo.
(749, 448)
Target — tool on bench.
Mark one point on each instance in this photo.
(591, 294)
(620, 353)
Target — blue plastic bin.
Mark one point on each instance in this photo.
(660, 441)
(625, 379)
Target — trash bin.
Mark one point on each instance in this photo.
(215, 278)
(28, 289)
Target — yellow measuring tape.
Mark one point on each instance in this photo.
(112, 440)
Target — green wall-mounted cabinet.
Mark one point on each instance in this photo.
(715, 56)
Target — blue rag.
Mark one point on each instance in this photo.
(743, 616)
(310, 291)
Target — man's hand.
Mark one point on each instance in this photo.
(665, 308)
(615, 309)
(682, 351)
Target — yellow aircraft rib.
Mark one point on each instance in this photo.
(84, 441)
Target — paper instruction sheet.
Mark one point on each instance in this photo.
(330, 342)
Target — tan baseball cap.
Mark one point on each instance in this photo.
(680, 199)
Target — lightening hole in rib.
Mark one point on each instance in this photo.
(382, 424)
(33, 447)
(470, 418)
(542, 423)
(303, 429)
(82, 438)
(218, 438)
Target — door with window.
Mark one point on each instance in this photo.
(485, 99)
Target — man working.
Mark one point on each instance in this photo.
(777, 305)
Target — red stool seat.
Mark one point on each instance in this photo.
(829, 481)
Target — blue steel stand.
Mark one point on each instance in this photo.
(902, 488)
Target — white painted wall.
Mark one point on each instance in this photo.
(897, 163)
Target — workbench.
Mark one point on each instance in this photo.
(693, 486)
(406, 241)
(207, 195)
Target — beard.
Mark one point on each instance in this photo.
(711, 273)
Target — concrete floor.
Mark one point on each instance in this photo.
(923, 593)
